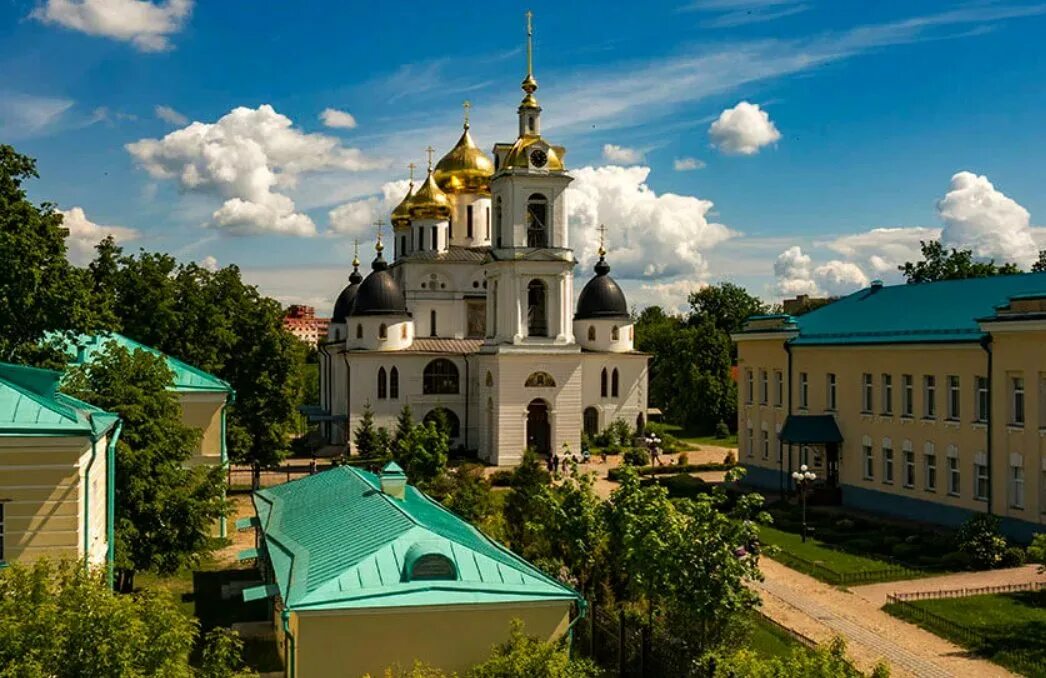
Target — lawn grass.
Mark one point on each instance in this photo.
(1010, 629)
(768, 641)
(827, 564)
(693, 438)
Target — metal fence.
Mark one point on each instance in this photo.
(888, 572)
(966, 592)
(804, 640)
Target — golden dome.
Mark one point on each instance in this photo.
(430, 202)
(465, 169)
(401, 215)
(519, 155)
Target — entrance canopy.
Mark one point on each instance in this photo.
(810, 429)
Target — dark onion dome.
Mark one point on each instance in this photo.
(379, 293)
(601, 297)
(343, 304)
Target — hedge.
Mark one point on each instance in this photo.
(671, 469)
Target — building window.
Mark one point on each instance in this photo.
(764, 388)
(432, 323)
(383, 384)
(980, 482)
(540, 380)
(909, 466)
(953, 476)
(591, 421)
(488, 223)
(930, 467)
(497, 218)
(440, 377)
(830, 392)
(887, 461)
(907, 396)
(538, 225)
(887, 388)
(614, 383)
(1017, 401)
(468, 221)
(869, 460)
(804, 391)
(537, 319)
(394, 383)
(780, 446)
(615, 333)
(749, 386)
(383, 331)
(982, 399)
(1017, 486)
(953, 397)
(433, 567)
(779, 388)
(591, 333)
(359, 330)
(766, 443)
(603, 383)
(867, 395)
(929, 396)
(750, 440)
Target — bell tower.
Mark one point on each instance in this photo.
(530, 268)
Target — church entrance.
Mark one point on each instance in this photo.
(539, 432)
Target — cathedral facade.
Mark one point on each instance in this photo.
(474, 314)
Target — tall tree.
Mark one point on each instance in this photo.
(725, 306)
(1040, 264)
(165, 511)
(940, 264)
(40, 291)
(422, 453)
(526, 507)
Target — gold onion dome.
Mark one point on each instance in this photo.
(465, 169)
(430, 202)
(401, 215)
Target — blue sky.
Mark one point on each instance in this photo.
(917, 117)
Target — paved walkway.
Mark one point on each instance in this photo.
(1025, 574)
(821, 611)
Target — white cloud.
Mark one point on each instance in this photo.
(730, 13)
(169, 115)
(979, 217)
(27, 115)
(743, 130)
(796, 274)
(145, 24)
(687, 164)
(837, 278)
(882, 250)
(356, 218)
(84, 234)
(648, 235)
(622, 154)
(209, 263)
(248, 156)
(671, 295)
(332, 117)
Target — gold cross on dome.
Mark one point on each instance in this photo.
(430, 150)
(356, 252)
(411, 167)
(467, 105)
(379, 223)
(602, 239)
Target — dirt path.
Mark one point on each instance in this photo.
(1025, 574)
(821, 611)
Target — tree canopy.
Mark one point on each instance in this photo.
(938, 263)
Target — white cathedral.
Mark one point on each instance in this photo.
(475, 314)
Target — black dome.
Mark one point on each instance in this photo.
(601, 298)
(379, 293)
(343, 304)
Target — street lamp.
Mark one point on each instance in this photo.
(803, 478)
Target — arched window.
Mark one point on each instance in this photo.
(614, 384)
(537, 319)
(603, 383)
(540, 380)
(490, 379)
(497, 219)
(440, 376)
(615, 333)
(446, 420)
(435, 239)
(538, 223)
(394, 383)
(591, 332)
(591, 421)
(433, 567)
(383, 331)
(432, 323)
(383, 384)
(359, 330)
(421, 238)
(488, 223)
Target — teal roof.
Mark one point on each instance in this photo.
(937, 312)
(30, 404)
(336, 541)
(187, 378)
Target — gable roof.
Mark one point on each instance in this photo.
(335, 541)
(30, 405)
(187, 379)
(936, 312)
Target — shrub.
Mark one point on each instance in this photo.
(1014, 556)
(955, 560)
(501, 478)
(1037, 550)
(722, 430)
(730, 459)
(620, 432)
(683, 459)
(906, 552)
(637, 456)
(844, 524)
(980, 541)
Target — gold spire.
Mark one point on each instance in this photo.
(401, 215)
(430, 202)
(530, 83)
(378, 247)
(602, 240)
(465, 168)
(356, 253)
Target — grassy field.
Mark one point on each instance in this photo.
(1010, 628)
(769, 641)
(692, 438)
(831, 566)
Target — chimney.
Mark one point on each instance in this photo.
(393, 481)
(877, 285)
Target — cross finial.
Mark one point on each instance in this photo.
(467, 105)
(602, 239)
(430, 150)
(379, 224)
(411, 167)
(356, 253)
(530, 47)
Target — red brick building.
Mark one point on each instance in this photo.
(301, 321)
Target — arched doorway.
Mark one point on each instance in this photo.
(539, 432)
(446, 420)
(640, 424)
(590, 418)
(537, 305)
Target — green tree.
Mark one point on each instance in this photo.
(1040, 264)
(940, 264)
(366, 434)
(60, 619)
(404, 424)
(725, 306)
(524, 656)
(826, 661)
(979, 539)
(40, 290)
(165, 511)
(526, 507)
(1037, 551)
(423, 453)
(577, 529)
(466, 491)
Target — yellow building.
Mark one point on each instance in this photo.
(924, 401)
(367, 573)
(56, 470)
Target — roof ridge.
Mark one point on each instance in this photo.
(61, 409)
(167, 356)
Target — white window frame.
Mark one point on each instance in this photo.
(804, 391)
(907, 396)
(980, 475)
(929, 396)
(766, 442)
(778, 388)
(887, 461)
(1017, 485)
(831, 386)
(764, 387)
(930, 467)
(954, 397)
(909, 464)
(983, 403)
(1018, 402)
(887, 393)
(750, 436)
(867, 393)
(750, 385)
(868, 452)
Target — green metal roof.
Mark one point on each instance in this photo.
(30, 404)
(187, 378)
(810, 429)
(937, 312)
(335, 541)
